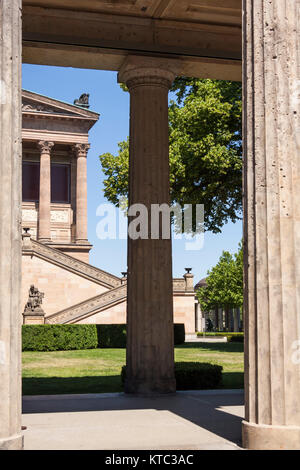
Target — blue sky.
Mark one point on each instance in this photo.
(112, 103)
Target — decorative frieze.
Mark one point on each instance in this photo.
(179, 285)
(60, 216)
(29, 215)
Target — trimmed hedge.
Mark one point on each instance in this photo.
(111, 336)
(197, 375)
(114, 336)
(68, 337)
(58, 337)
(179, 333)
(193, 375)
(233, 337)
(236, 338)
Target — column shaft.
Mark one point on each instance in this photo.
(81, 193)
(10, 226)
(150, 343)
(45, 191)
(272, 216)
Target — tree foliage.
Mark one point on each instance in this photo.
(205, 151)
(224, 283)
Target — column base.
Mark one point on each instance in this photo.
(147, 388)
(82, 241)
(12, 443)
(267, 437)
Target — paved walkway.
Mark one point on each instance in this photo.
(206, 339)
(188, 420)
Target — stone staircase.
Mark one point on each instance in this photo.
(98, 304)
(115, 294)
(89, 307)
(34, 248)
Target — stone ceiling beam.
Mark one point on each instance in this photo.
(102, 41)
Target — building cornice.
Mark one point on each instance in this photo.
(63, 108)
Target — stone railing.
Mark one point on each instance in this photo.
(98, 303)
(33, 247)
(88, 307)
(179, 285)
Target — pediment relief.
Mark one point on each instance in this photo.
(39, 104)
(36, 107)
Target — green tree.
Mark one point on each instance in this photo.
(224, 287)
(205, 151)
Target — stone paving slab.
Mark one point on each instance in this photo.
(207, 339)
(186, 420)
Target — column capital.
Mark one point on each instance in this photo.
(45, 146)
(81, 150)
(139, 71)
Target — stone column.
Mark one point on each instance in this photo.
(236, 319)
(198, 317)
(81, 151)
(44, 233)
(221, 319)
(216, 318)
(150, 344)
(272, 219)
(10, 226)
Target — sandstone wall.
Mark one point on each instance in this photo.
(183, 313)
(61, 287)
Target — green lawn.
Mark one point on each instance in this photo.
(98, 370)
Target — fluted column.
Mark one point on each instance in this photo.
(150, 355)
(45, 191)
(10, 224)
(272, 221)
(81, 151)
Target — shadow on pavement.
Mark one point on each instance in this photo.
(205, 410)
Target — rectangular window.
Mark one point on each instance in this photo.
(60, 183)
(30, 181)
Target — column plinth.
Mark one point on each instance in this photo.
(10, 227)
(271, 229)
(81, 151)
(44, 232)
(150, 344)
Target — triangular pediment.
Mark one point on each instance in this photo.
(39, 104)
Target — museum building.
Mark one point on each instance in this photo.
(55, 246)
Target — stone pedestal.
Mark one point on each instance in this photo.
(272, 220)
(34, 318)
(10, 226)
(150, 354)
(81, 193)
(44, 232)
(189, 282)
